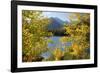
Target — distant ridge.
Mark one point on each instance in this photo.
(56, 26)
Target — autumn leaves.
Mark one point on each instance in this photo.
(35, 37)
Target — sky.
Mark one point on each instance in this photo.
(61, 15)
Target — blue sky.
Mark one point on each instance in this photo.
(61, 15)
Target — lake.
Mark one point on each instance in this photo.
(56, 43)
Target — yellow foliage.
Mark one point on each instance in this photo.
(33, 33)
(77, 50)
(58, 54)
(63, 39)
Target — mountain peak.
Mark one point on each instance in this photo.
(55, 24)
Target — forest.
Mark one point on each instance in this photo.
(51, 39)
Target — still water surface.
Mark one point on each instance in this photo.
(56, 44)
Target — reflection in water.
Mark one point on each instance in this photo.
(55, 44)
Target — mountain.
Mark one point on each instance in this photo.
(56, 26)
